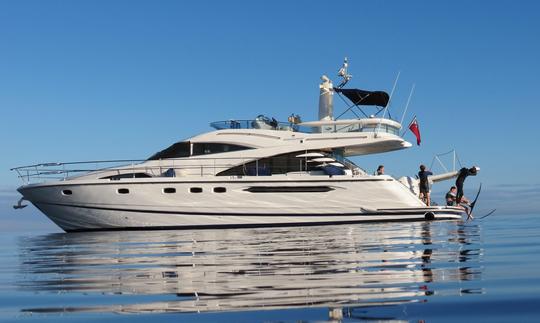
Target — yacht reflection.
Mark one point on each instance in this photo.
(253, 269)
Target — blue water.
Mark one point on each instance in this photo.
(484, 270)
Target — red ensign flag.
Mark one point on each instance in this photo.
(415, 128)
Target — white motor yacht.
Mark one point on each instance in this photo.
(245, 173)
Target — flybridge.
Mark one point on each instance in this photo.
(327, 123)
(381, 125)
(260, 122)
(358, 98)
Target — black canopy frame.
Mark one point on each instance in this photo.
(357, 97)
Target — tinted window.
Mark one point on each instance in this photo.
(279, 164)
(178, 150)
(169, 190)
(123, 191)
(215, 148)
(220, 190)
(195, 190)
(130, 175)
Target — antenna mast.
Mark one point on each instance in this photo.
(389, 101)
(407, 105)
(344, 73)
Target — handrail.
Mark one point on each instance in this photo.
(155, 168)
(129, 161)
(262, 124)
(80, 162)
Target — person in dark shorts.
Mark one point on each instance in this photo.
(462, 175)
(424, 184)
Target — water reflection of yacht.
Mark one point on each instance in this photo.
(250, 173)
(252, 269)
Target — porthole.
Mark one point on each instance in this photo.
(123, 191)
(195, 189)
(169, 190)
(67, 192)
(220, 190)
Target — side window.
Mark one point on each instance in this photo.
(178, 150)
(215, 148)
(279, 164)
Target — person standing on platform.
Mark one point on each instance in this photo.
(424, 185)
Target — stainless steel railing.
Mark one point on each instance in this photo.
(159, 168)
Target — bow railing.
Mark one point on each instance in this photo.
(202, 166)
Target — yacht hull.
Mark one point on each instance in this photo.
(241, 203)
(76, 218)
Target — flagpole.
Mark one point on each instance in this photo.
(388, 104)
(407, 105)
(408, 127)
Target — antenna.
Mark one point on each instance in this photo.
(407, 105)
(344, 73)
(389, 101)
(454, 161)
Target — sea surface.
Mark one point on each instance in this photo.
(454, 271)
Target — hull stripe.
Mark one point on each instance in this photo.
(238, 181)
(385, 212)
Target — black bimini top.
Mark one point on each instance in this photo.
(361, 97)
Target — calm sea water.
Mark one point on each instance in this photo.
(485, 270)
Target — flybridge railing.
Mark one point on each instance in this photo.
(122, 169)
(289, 126)
(264, 124)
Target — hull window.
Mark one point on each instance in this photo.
(67, 192)
(288, 189)
(220, 190)
(195, 189)
(123, 191)
(169, 190)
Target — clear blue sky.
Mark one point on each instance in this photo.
(122, 79)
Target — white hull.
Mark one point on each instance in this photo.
(96, 205)
(84, 219)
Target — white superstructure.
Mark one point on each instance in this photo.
(246, 173)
